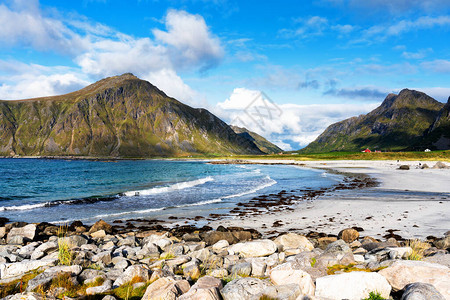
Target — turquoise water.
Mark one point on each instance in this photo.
(37, 190)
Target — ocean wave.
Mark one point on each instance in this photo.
(23, 207)
(254, 190)
(170, 188)
(200, 203)
(87, 200)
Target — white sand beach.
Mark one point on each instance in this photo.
(415, 212)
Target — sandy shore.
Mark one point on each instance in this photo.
(415, 203)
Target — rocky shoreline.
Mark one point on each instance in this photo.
(105, 261)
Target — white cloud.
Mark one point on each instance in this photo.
(285, 124)
(417, 55)
(26, 26)
(439, 93)
(438, 65)
(168, 80)
(391, 6)
(32, 85)
(101, 51)
(191, 40)
(403, 26)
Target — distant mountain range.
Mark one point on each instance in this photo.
(263, 144)
(120, 116)
(410, 120)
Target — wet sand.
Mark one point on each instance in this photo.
(411, 203)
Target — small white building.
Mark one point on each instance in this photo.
(427, 150)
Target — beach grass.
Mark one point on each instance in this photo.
(442, 155)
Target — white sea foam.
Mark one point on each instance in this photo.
(23, 207)
(200, 203)
(252, 191)
(170, 188)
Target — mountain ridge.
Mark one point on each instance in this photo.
(262, 143)
(399, 123)
(119, 116)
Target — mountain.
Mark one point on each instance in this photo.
(120, 116)
(401, 122)
(438, 135)
(263, 144)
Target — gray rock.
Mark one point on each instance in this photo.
(109, 297)
(421, 291)
(74, 270)
(129, 241)
(244, 289)
(287, 274)
(90, 273)
(105, 287)
(241, 269)
(16, 240)
(192, 269)
(439, 258)
(440, 165)
(43, 279)
(26, 296)
(352, 286)
(285, 292)
(255, 248)
(338, 246)
(166, 288)
(19, 268)
(293, 241)
(27, 233)
(259, 267)
(120, 262)
(131, 272)
(403, 272)
(73, 240)
(104, 257)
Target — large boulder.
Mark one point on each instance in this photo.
(348, 235)
(101, 225)
(212, 237)
(403, 272)
(105, 287)
(254, 248)
(27, 233)
(206, 288)
(131, 272)
(293, 241)
(286, 274)
(246, 288)
(352, 286)
(73, 241)
(19, 268)
(166, 288)
(421, 291)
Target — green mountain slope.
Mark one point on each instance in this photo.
(120, 116)
(400, 122)
(263, 144)
(438, 136)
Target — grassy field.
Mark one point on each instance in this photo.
(426, 156)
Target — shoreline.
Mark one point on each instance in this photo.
(412, 214)
(354, 202)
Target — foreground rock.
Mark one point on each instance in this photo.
(403, 272)
(163, 264)
(166, 288)
(419, 291)
(352, 286)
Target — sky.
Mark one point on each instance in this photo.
(284, 69)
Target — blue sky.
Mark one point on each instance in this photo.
(317, 62)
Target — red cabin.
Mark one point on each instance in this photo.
(367, 150)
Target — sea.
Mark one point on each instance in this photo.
(60, 191)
